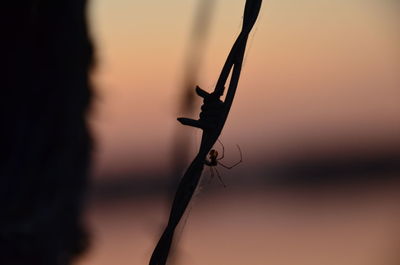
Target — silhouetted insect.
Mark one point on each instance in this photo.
(213, 161)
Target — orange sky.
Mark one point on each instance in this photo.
(317, 73)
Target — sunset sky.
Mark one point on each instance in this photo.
(318, 76)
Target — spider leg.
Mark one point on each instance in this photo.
(223, 150)
(211, 175)
(219, 177)
(237, 163)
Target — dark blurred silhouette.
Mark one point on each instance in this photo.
(45, 144)
(193, 59)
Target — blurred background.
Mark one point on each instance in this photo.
(316, 116)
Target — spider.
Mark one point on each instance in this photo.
(213, 161)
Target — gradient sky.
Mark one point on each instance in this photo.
(318, 75)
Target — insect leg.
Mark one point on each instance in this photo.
(223, 150)
(211, 175)
(237, 163)
(219, 177)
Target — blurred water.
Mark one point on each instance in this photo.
(347, 225)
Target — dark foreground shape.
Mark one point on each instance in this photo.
(212, 119)
(44, 139)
